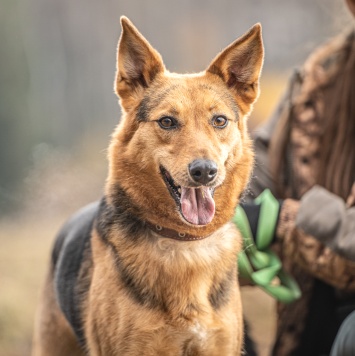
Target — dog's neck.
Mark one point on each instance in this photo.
(124, 212)
(204, 270)
(173, 234)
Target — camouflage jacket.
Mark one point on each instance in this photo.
(315, 236)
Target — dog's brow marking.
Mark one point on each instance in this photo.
(149, 102)
(143, 110)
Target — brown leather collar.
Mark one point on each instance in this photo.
(172, 234)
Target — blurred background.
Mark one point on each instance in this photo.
(57, 110)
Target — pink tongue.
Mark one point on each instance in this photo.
(197, 205)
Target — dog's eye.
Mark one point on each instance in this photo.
(167, 122)
(219, 122)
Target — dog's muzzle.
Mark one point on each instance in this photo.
(203, 171)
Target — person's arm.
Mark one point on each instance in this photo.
(318, 233)
(297, 236)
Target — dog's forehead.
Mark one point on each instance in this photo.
(185, 93)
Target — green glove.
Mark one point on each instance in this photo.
(256, 261)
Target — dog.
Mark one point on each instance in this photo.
(151, 268)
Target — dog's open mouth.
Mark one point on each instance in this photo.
(196, 205)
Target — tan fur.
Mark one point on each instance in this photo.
(181, 274)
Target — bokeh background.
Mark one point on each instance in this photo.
(57, 110)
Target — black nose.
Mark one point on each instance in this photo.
(203, 170)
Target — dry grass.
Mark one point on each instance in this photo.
(24, 254)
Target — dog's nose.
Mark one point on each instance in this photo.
(203, 170)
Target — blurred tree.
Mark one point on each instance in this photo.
(15, 138)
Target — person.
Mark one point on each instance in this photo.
(344, 344)
(306, 156)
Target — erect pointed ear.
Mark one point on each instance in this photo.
(138, 63)
(240, 64)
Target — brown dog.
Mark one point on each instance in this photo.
(151, 269)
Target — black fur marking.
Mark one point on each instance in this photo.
(124, 214)
(150, 101)
(71, 247)
(143, 110)
(220, 290)
(136, 288)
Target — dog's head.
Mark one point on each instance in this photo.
(181, 151)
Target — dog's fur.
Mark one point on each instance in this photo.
(116, 287)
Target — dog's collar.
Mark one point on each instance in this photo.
(172, 234)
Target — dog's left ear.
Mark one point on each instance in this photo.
(138, 63)
(240, 64)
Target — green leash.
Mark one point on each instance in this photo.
(257, 262)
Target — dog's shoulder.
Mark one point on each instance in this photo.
(74, 233)
(70, 256)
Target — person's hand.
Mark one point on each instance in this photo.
(257, 264)
(262, 215)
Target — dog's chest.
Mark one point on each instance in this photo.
(198, 331)
(200, 339)
(194, 339)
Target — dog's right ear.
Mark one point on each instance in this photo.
(138, 63)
